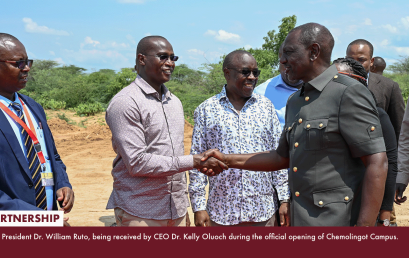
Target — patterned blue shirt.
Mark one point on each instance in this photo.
(237, 195)
(276, 90)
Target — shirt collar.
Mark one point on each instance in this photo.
(7, 102)
(322, 80)
(223, 95)
(145, 87)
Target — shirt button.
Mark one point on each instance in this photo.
(297, 194)
(296, 144)
(289, 128)
(300, 120)
(321, 125)
(346, 198)
(295, 169)
(30, 185)
(307, 98)
(308, 126)
(320, 202)
(373, 128)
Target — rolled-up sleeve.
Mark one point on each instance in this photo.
(359, 123)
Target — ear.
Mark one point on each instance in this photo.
(372, 60)
(226, 74)
(141, 59)
(315, 50)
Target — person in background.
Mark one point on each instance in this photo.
(386, 91)
(378, 65)
(23, 161)
(355, 70)
(278, 89)
(238, 121)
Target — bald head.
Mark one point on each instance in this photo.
(378, 65)
(147, 43)
(311, 33)
(7, 42)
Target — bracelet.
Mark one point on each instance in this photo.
(285, 201)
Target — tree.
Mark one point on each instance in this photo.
(402, 66)
(267, 55)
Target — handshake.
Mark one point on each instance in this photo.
(211, 162)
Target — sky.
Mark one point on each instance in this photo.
(104, 34)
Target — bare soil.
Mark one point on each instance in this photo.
(84, 144)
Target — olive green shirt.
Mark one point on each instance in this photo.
(331, 122)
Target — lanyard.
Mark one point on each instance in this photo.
(32, 134)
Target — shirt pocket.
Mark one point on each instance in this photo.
(335, 195)
(315, 134)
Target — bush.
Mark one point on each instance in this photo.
(51, 104)
(89, 109)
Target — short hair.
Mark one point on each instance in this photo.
(145, 45)
(362, 42)
(228, 60)
(379, 61)
(311, 33)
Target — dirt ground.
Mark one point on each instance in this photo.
(84, 144)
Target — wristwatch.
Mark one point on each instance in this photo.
(285, 200)
(384, 222)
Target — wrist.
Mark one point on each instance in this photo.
(285, 201)
(197, 160)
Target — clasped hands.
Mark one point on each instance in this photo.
(211, 162)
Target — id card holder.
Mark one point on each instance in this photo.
(47, 178)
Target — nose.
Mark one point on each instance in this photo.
(283, 60)
(26, 68)
(251, 76)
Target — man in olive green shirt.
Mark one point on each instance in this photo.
(332, 132)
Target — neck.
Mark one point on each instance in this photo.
(10, 96)
(156, 86)
(237, 101)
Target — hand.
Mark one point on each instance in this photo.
(400, 188)
(209, 166)
(284, 212)
(66, 224)
(65, 196)
(202, 219)
(187, 219)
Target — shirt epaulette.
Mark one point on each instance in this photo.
(343, 79)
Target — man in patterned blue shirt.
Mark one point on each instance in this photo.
(238, 121)
(278, 89)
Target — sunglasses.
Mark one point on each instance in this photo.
(246, 72)
(20, 64)
(165, 57)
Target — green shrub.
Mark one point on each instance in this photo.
(51, 103)
(89, 109)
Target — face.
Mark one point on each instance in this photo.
(12, 79)
(284, 76)
(237, 83)
(295, 58)
(158, 71)
(361, 53)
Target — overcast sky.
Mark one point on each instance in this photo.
(103, 34)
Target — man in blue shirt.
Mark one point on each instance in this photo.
(278, 89)
(26, 181)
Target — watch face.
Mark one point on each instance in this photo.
(386, 222)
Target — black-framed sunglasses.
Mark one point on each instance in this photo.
(165, 57)
(246, 72)
(20, 64)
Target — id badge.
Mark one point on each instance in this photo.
(47, 178)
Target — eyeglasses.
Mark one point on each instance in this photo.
(246, 72)
(20, 64)
(353, 75)
(165, 57)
